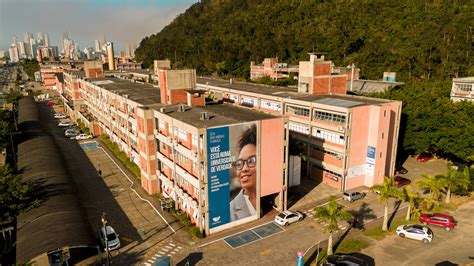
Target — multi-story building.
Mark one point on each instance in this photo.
(271, 68)
(13, 53)
(348, 141)
(462, 89)
(187, 151)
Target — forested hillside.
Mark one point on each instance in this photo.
(417, 39)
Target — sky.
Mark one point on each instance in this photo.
(121, 21)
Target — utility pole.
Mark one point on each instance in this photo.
(104, 226)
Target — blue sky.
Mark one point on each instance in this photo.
(121, 21)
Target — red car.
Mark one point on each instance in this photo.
(51, 103)
(401, 181)
(424, 157)
(438, 219)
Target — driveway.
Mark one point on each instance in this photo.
(455, 246)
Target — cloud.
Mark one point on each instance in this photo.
(120, 21)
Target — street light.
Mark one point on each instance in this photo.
(104, 223)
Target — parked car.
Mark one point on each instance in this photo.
(401, 181)
(353, 196)
(424, 157)
(344, 259)
(50, 103)
(400, 170)
(113, 241)
(71, 132)
(443, 220)
(415, 231)
(288, 217)
(59, 115)
(83, 136)
(64, 124)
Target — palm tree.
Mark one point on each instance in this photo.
(435, 184)
(385, 191)
(331, 213)
(410, 196)
(455, 179)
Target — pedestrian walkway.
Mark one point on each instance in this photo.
(310, 213)
(169, 249)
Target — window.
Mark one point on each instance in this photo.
(298, 128)
(330, 117)
(270, 105)
(301, 111)
(333, 154)
(329, 136)
(463, 87)
(182, 134)
(248, 102)
(328, 171)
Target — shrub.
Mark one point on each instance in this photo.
(121, 155)
(195, 232)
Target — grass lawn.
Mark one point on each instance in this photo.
(349, 245)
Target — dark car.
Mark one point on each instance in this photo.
(51, 103)
(439, 219)
(344, 259)
(401, 181)
(400, 170)
(424, 157)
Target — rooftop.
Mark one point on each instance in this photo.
(143, 94)
(219, 115)
(466, 79)
(292, 93)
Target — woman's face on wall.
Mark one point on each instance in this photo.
(247, 175)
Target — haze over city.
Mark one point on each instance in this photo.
(121, 22)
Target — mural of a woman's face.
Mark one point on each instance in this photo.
(247, 175)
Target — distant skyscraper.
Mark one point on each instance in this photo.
(127, 51)
(46, 39)
(101, 40)
(39, 35)
(13, 52)
(22, 50)
(14, 41)
(97, 46)
(26, 38)
(110, 55)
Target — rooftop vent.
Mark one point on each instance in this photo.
(163, 110)
(204, 116)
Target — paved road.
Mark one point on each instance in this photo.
(454, 247)
(111, 194)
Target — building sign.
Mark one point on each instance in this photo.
(219, 164)
(370, 161)
(232, 173)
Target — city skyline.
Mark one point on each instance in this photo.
(121, 21)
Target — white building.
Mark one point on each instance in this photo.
(463, 89)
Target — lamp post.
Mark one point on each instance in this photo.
(104, 226)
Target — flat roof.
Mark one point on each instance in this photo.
(465, 79)
(292, 93)
(219, 115)
(143, 94)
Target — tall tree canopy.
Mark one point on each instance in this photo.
(417, 39)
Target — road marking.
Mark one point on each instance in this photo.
(147, 264)
(165, 249)
(171, 244)
(151, 261)
(178, 247)
(161, 252)
(173, 252)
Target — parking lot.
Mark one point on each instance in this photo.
(454, 247)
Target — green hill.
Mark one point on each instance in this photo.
(417, 39)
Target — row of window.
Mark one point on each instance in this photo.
(328, 171)
(333, 154)
(330, 117)
(464, 87)
(298, 128)
(329, 136)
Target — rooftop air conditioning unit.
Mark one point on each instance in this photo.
(163, 110)
(181, 108)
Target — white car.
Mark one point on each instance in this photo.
(288, 217)
(113, 241)
(415, 231)
(59, 115)
(64, 124)
(71, 133)
(82, 136)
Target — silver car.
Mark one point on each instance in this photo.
(113, 241)
(353, 196)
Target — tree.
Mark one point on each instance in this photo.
(410, 196)
(332, 213)
(385, 191)
(435, 185)
(15, 196)
(454, 180)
